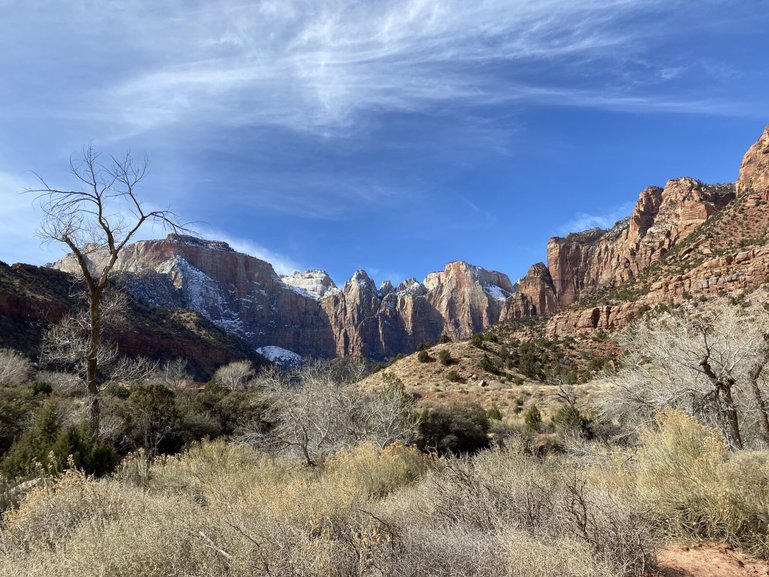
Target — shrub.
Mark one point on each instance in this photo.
(424, 357)
(16, 408)
(424, 346)
(453, 376)
(444, 339)
(696, 488)
(444, 357)
(489, 366)
(42, 388)
(54, 447)
(533, 418)
(150, 420)
(454, 429)
(477, 340)
(569, 417)
(15, 369)
(494, 413)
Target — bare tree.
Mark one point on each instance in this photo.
(707, 363)
(315, 413)
(101, 213)
(234, 375)
(173, 374)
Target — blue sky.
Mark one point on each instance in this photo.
(391, 135)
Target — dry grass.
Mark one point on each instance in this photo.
(695, 488)
(226, 510)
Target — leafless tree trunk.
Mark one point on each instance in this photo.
(763, 411)
(724, 402)
(101, 214)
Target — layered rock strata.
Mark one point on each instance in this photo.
(306, 313)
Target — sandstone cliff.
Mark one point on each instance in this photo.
(714, 242)
(583, 262)
(33, 297)
(306, 313)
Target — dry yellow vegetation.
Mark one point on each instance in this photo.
(223, 509)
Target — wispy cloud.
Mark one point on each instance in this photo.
(282, 264)
(21, 220)
(584, 221)
(320, 66)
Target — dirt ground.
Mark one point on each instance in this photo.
(708, 560)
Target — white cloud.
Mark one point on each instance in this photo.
(282, 264)
(319, 65)
(584, 221)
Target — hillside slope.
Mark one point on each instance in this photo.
(33, 297)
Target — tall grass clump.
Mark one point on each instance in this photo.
(695, 487)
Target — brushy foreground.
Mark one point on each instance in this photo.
(223, 509)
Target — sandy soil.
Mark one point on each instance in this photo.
(708, 560)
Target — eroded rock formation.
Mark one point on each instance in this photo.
(306, 312)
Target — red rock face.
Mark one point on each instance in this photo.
(731, 255)
(584, 262)
(754, 170)
(245, 296)
(33, 297)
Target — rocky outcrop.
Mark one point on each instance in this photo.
(729, 255)
(584, 262)
(754, 170)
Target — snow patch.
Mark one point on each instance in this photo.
(411, 287)
(280, 356)
(313, 284)
(497, 293)
(202, 294)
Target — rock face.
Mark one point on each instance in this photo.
(754, 171)
(583, 262)
(32, 297)
(306, 313)
(720, 251)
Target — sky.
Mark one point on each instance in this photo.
(390, 135)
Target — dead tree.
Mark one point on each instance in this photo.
(710, 364)
(100, 214)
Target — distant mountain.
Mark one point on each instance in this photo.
(683, 239)
(33, 297)
(306, 312)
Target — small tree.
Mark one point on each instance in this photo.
(102, 213)
(235, 375)
(533, 418)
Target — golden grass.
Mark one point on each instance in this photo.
(226, 510)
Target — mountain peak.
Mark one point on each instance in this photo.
(315, 284)
(201, 242)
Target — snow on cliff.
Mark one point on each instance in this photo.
(314, 284)
(280, 355)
